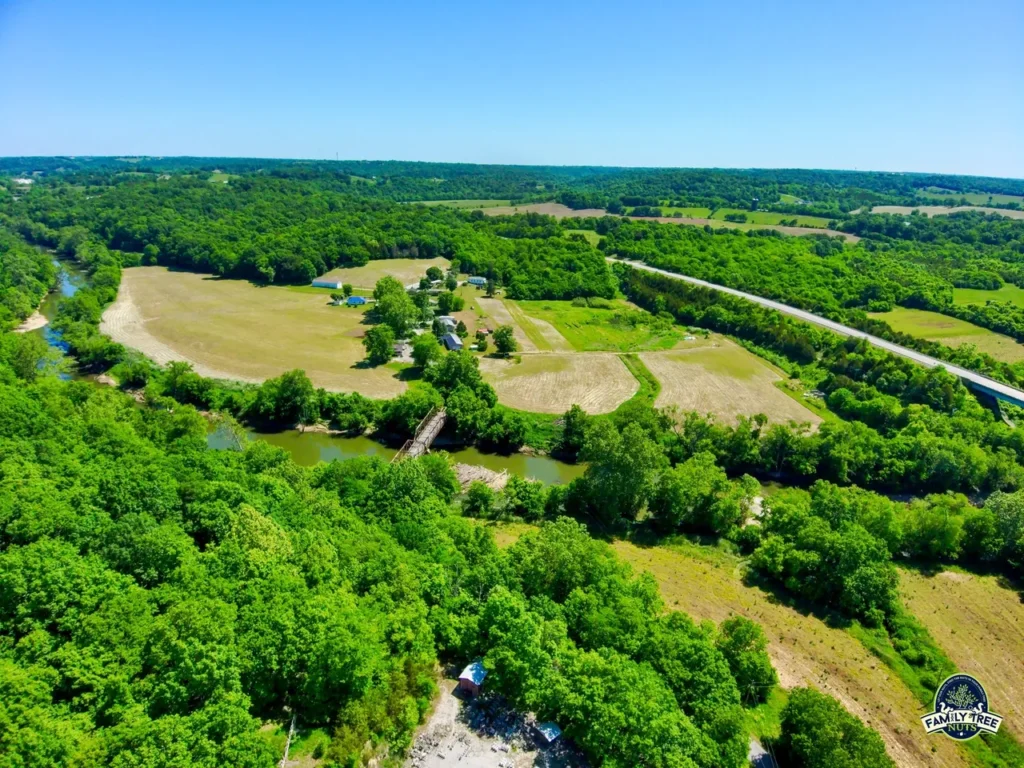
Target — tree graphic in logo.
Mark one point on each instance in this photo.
(961, 697)
(961, 710)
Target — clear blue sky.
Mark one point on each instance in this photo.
(913, 85)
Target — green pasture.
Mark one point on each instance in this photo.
(952, 332)
(1008, 292)
(770, 217)
(604, 330)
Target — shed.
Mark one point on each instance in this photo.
(356, 301)
(548, 732)
(472, 678)
(452, 342)
(477, 281)
(322, 283)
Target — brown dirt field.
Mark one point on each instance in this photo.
(550, 383)
(548, 209)
(231, 329)
(980, 626)
(940, 210)
(804, 650)
(795, 231)
(724, 380)
(499, 314)
(405, 270)
(564, 212)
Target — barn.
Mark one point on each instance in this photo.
(322, 283)
(479, 282)
(472, 678)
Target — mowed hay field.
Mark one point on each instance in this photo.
(234, 330)
(726, 381)
(942, 210)
(407, 271)
(951, 332)
(980, 626)
(552, 382)
(707, 584)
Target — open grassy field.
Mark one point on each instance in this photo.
(942, 210)
(696, 212)
(979, 623)
(707, 583)
(550, 383)
(974, 198)
(561, 211)
(1011, 293)
(592, 237)
(466, 203)
(724, 380)
(952, 332)
(219, 177)
(602, 330)
(232, 329)
(772, 218)
(407, 271)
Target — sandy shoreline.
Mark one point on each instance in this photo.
(33, 322)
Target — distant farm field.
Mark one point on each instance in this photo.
(951, 332)
(232, 329)
(1011, 293)
(942, 210)
(771, 218)
(602, 330)
(974, 198)
(979, 623)
(407, 271)
(561, 211)
(466, 203)
(552, 383)
(548, 209)
(726, 381)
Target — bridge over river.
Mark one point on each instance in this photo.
(426, 433)
(976, 381)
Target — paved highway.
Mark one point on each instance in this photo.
(970, 378)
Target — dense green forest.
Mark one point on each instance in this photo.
(159, 600)
(817, 192)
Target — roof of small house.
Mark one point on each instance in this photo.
(356, 300)
(474, 672)
(452, 341)
(478, 280)
(550, 731)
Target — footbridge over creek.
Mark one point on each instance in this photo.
(972, 380)
(426, 433)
